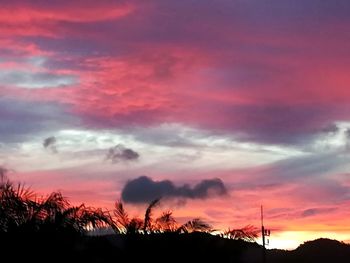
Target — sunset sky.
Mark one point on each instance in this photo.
(219, 106)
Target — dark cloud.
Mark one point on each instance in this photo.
(49, 141)
(50, 144)
(143, 190)
(121, 153)
(332, 128)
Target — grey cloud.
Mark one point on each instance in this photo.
(313, 177)
(332, 128)
(21, 120)
(50, 144)
(167, 135)
(347, 133)
(36, 80)
(313, 165)
(121, 153)
(347, 140)
(49, 141)
(143, 190)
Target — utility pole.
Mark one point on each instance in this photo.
(263, 234)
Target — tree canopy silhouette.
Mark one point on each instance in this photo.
(21, 210)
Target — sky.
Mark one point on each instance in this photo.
(218, 106)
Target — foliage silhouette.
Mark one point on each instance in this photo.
(195, 225)
(22, 211)
(166, 222)
(32, 224)
(147, 224)
(247, 233)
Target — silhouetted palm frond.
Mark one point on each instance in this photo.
(166, 222)
(96, 218)
(135, 226)
(21, 210)
(121, 217)
(10, 192)
(46, 208)
(195, 225)
(248, 233)
(15, 203)
(147, 224)
(83, 218)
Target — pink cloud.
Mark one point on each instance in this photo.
(277, 96)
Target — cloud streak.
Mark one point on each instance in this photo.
(317, 211)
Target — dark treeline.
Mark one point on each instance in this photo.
(50, 229)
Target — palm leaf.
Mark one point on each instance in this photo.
(166, 222)
(147, 224)
(121, 217)
(134, 226)
(195, 225)
(247, 233)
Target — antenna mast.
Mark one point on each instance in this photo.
(264, 233)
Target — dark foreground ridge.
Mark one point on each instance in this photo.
(165, 247)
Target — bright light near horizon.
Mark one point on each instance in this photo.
(292, 239)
